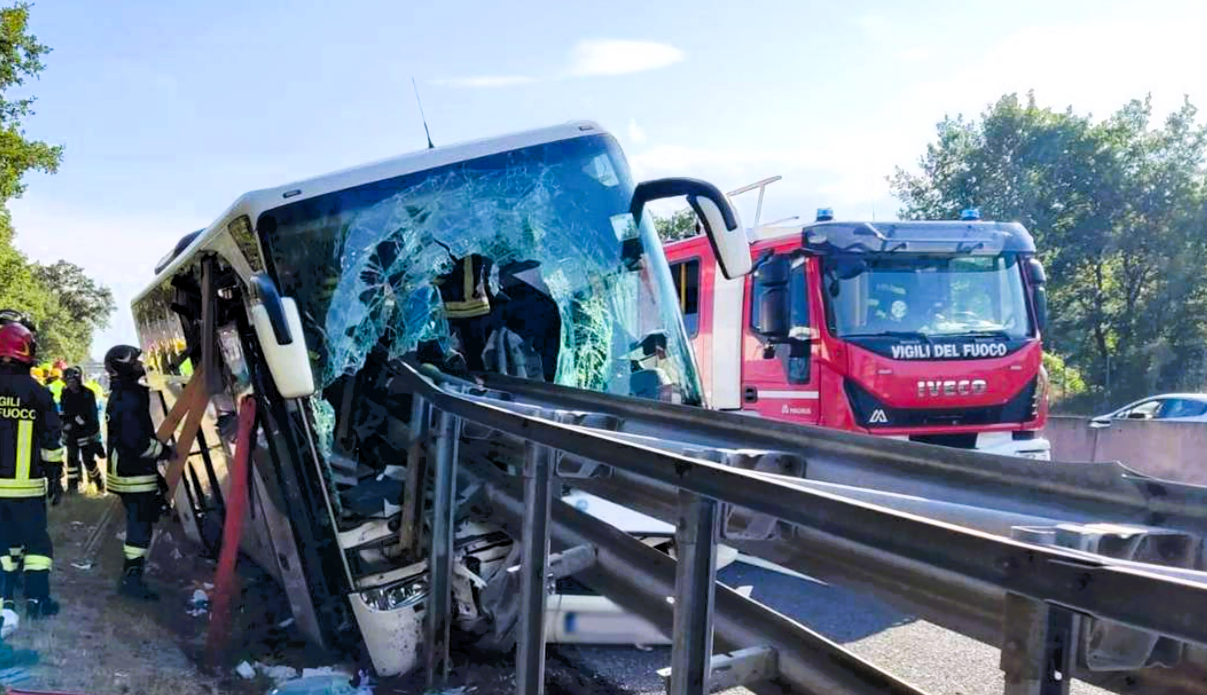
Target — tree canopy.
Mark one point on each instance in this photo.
(680, 225)
(1118, 208)
(67, 305)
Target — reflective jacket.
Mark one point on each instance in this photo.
(134, 452)
(56, 389)
(79, 414)
(466, 290)
(30, 436)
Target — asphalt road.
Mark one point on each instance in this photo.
(932, 658)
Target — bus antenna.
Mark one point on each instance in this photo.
(426, 132)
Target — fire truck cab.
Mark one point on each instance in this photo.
(920, 330)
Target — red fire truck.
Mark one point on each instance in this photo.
(920, 330)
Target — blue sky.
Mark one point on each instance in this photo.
(170, 109)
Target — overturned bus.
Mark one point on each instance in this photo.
(308, 296)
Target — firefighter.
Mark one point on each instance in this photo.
(134, 456)
(54, 382)
(31, 459)
(8, 316)
(466, 294)
(81, 429)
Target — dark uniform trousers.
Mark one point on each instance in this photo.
(82, 431)
(30, 451)
(84, 449)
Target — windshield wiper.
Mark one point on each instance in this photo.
(990, 332)
(917, 335)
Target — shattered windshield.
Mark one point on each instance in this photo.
(525, 262)
(933, 296)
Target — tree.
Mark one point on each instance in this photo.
(1118, 209)
(67, 305)
(20, 59)
(680, 225)
(78, 308)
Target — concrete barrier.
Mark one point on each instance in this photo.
(1169, 450)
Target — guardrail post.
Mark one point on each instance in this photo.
(1038, 647)
(413, 495)
(1039, 640)
(695, 582)
(440, 559)
(534, 570)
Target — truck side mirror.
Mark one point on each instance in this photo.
(1039, 291)
(775, 307)
(278, 326)
(715, 213)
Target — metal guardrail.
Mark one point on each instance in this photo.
(1040, 586)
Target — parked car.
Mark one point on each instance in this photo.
(1174, 407)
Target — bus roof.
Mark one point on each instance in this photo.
(254, 203)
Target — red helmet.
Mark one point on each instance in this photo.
(16, 344)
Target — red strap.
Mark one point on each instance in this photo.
(225, 580)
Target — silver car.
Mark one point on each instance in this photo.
(1175, 407)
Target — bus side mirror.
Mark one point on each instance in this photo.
(715, 213)
(278, 325)
(1039, 291)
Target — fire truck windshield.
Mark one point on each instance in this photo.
(571, 291)
(925, 296)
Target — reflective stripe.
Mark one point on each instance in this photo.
(790, 395)
(10, 489)
(467, 310)
(25, 445)
(36, 563)
(17, 551)
(54, 455)
(153, 451)
(134, 483)
(8, 564)
(467, 278)
(134, 552)
(469, 307)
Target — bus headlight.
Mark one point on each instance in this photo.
(396, 595)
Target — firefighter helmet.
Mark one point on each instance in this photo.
(121, 362)
(8, 316)
(16, 344)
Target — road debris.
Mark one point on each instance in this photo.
(9, 622)
(13, 676)
(322, 684)
(200, 603)
(245, 671)
(82, 565)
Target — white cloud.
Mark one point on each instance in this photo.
(588, 58)
(620, 57)
(487, 81)
(636, 134)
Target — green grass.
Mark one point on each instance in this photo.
(103, 644)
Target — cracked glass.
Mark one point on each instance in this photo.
(365, 265)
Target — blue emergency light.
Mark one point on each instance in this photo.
(825, 214)
(970, 214)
